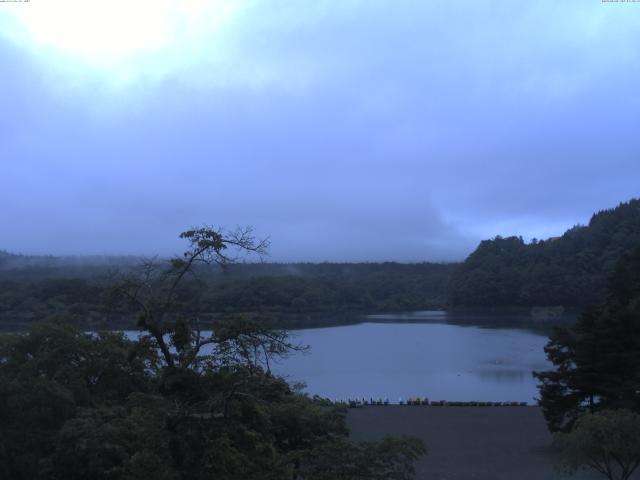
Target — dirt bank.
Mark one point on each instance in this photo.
(468, 443)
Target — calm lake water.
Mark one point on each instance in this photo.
(438, 360)
(424, 354)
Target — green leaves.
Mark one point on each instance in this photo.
(607, 441)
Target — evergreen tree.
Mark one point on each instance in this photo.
(597, 361)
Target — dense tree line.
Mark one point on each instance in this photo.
(571, 270)
(271, 290)
(337, 287)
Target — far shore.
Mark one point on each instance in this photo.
(498, 317)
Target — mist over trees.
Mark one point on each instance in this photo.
(38, 264)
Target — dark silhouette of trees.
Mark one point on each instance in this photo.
(571, 270)
(597, 362)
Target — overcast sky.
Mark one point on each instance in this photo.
(344, 130)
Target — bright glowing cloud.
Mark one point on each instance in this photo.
(124, 38)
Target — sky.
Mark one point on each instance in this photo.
(344, 131)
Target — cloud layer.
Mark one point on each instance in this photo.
(365, 131)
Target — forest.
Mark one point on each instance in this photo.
(570, 271)
(285, 294)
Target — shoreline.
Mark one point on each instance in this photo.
(496, 317)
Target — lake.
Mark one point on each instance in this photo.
(420, 354)
(427, 354)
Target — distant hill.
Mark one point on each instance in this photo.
(570, 270)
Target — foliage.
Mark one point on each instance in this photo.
(176, 403)
(607, 441)
(48, 375)
(571, 270)
(389, 459)
(597, 362)
(285, 293)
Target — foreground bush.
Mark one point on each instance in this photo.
(607, 441)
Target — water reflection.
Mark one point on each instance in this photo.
(520, 318)
(503, 376)
(437, 360)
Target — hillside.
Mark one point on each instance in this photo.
(571, 270)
